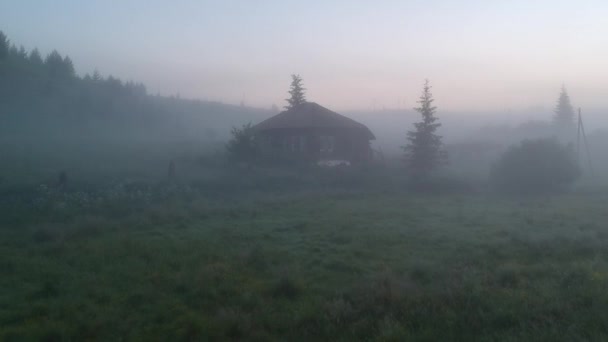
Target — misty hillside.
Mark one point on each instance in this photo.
(42, 97)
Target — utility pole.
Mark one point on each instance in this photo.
(581, 132)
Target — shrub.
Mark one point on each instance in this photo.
(536, 166)
(242, 146)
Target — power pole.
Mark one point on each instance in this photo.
(581, 132)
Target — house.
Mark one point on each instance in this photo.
(310, 132)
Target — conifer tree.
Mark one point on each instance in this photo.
(35, 57)
(424, 151)
(297, 93)
(564, 113)
(22, 54)
(4, 46)
(96, 76)
(68, 67)
(54, 64)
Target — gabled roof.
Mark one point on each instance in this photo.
(311, 115)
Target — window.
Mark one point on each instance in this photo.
(327, 143)
(296, 143)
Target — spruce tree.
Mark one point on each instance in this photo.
(4, 46)
(54, 64)
(297, 93)
(35, 57)
(68, 67)
(22, 53)
(424, 151)
(564, 113)
(96, 76)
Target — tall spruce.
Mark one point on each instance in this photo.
(564, 113)
(424, 151)
(297, 93)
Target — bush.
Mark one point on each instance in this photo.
(536, 166)
(242, 146)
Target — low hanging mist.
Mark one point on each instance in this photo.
(272, 171)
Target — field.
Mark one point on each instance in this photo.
(186, 262)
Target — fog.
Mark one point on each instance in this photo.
(271, 170)
(480, 56)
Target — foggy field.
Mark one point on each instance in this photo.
(303, 171)
(326, 264)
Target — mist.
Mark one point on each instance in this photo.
(314, 171)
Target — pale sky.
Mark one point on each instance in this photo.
(478, 55)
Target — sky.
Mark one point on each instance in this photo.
(478, 55)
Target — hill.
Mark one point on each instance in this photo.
(44, 98)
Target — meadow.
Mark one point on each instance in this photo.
(252, 256)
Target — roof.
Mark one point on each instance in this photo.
(311, 115)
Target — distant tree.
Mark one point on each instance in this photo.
(115, 85)
(4, 46)
(13, 51)
(54, 64)
(297, 93)
(140, 89)
(536, 166)
(424, 152)
(68, 67)
(564, 114)
(274, 108)
(242, 146)
(22, 54)
(59, 67)
(96, 76)
(35, 57)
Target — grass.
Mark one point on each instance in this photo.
(316, 265)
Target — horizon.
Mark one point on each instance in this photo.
(359, 57)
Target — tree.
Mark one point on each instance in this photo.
(4, 46)
(297, 93)
(68, 67)
(425, 152)
(242, 145)
(35, 57)
(96, 76)
(564, 114)
(22, 54)
(59, 67)
(536, 166)
(54, 63)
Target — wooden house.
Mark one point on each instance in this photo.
(311, 132)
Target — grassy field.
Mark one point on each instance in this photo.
(174, 262)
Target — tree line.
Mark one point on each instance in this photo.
(42, 95)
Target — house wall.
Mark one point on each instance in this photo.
(315, 144)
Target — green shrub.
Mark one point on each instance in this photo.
(542, 165)
(242, 146)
